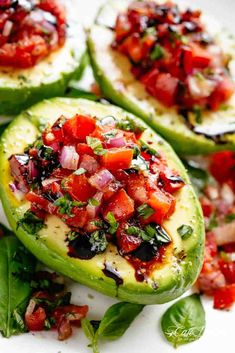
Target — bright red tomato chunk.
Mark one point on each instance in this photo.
(173, 56)
(26, 34)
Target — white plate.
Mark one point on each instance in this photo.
(144, 335)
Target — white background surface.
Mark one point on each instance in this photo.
(144, 335)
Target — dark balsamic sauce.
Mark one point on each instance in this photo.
(80, 247)
(111, 272)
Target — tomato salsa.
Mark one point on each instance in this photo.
(174, 56)
(217, 277)
(30, 30)
(104, 182)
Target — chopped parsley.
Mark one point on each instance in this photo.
(185, 231)
(161, 235)
(129, 124)
(96, 145)
(229, 218)
(157, 53)
(133, 230)
(110, 134)
(145, 211)
(98, 241)
(112, 222)
(146, 148)
(93, 202)
(31, 223)
(80, 171)
(65, 205)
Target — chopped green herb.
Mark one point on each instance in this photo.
(112, 222)
(198, 113)
(31, 223)
(99, 224)
(80, 171)
(185, 231)
(110, 134)
(157, 53)
(230, 217)
(145, 211)
(71, 235)
(146, 148)
(150, 232)
(150, 31)
(161, 235)
(96, 145)
(93, 202)
(65, 204)
(98, 241)
(213, 223)
(133, 230)
(129, 124)
(136, 151)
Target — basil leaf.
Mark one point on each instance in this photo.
(114, 324)
(112, 222)
(145, 211)
(16, 268)
(185, 231)
(96, 145)
(184, 321)
(98, 241)
(117, 319)
(31, 223)
(199, 177)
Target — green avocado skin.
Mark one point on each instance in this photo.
(183, 144)
(172, 286)
(13, 101)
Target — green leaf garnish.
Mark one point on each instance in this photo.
(65, 204)
(112, 222)
(96, 145)
(31, 223)
(79, 171)
(93, 202)
(157, 53)
(129, 124)
(98, 241)
(145, 211)
(185, 231)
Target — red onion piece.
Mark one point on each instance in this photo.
(49, 181)
(225, 234)
(19, 194)
(101, 179)
(93, 210)
(117, 141)
(69, 158)
(33, 172)
(7, 28)
(89, 163)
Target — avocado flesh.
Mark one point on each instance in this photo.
(183, 258)
(112, 72)
(21, 88)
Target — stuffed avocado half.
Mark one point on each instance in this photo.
(171, 243)
(39, 65)
(198, 116)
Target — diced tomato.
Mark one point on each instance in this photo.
(224, 297)
(36, 320)
(89, 163)
(120, 205)
(83, 148)
(201, 57)
(163, 204)
(73, 312)
(60, 173)
(79, 127)
(38, 199)
(79, 217)
(122, 27)
(64, 329)
(225, 159)
(207, 206)
(136, 188)
(126, 242)
(229, 248)
(223, 91)
(78, 187)
(187, 59)
(164, 88)
(132, 46)
(171, 181)
(117, 158)
(228, 269)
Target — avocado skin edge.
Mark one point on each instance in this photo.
(183, 145)
(13, 101)
(171, 287)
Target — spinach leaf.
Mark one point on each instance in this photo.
(114, 324)
(16, 264)
(184, 321)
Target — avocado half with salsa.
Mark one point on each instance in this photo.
(42, 47)
(98, 196)
(172, 67)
